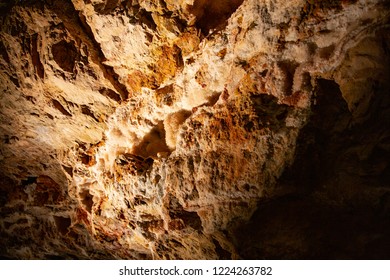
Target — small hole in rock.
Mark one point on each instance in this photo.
(152, 143)
(65, 55)
(87, 200)
(62, 224)
(213, 14)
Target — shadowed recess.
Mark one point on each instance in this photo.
(213, 14)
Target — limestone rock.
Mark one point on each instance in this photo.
(143, 129)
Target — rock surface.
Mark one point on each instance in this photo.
(146, 129)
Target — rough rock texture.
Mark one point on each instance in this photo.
(193, 129)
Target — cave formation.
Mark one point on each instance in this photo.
(162, 129)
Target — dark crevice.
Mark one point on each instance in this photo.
(268, 110)
(211, 100)
(177, 212)
(213, 14)
(65, 54)
(139, 15)
(87, 200)
(222, 253)
(133, 164)
(35, 57)
(4, 53)
(87, 111)
(145, 17)
(15, 81)
(68, 170)
(62, 224)
(288, 67)
(152, 143)
(139, 200)
(3, 195)
(107, 7)
(110, 94)
(327, 52)
(86, 159)
(29, 180)
(60, 108)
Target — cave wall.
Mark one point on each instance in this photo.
(194, 129)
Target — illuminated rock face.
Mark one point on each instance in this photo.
(194, 129)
